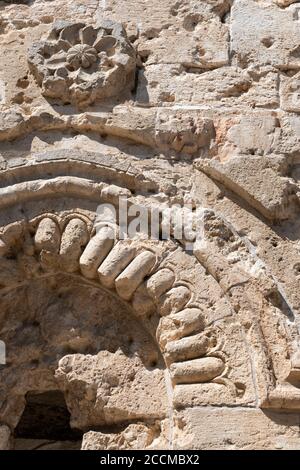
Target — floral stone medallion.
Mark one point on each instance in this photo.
(80, 64)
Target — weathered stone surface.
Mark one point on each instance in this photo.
(123, 393)
(179, 324)
(119, 257)
(5, 438)
(237, 429)
(263, 182)
(264, 34)
(290, 93)
(129, 334)
(187, 348)
(133, 275)
(96, 251)
(182, 132)
(160, 282)
(74, 237)
(47, 236)
(134, 437)
(197, 370)
(178, 86)
(174, 300)
(79, 64)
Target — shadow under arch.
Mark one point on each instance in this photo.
(181, 289)
(63, 332)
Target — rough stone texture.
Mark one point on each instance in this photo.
(134, 437)
(236, 429)
(150, 343)
(5, 438)
(80, 63)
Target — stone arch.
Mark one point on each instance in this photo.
(65, 334)
(138, 271)
(156, 279)
(199, 300)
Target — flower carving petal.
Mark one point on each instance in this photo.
(105, 43)
(81, 55)
(88, 35)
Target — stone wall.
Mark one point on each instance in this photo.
(143, 343)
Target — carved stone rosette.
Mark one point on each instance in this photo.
(81, 63)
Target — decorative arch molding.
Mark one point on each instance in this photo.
(198, 306)
(262, 307)
(86, 165)
(140, 272)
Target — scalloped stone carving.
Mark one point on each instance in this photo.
(80, 64)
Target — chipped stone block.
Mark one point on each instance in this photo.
(238, 429)
(264, 34)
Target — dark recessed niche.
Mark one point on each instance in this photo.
(46, 416)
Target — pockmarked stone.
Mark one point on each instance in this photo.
(149, 225)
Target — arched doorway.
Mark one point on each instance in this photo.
(78, 360)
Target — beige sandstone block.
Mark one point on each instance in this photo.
(117, 260)
(129, 280)
(74, 237)
(96, 251)
(264, 34)
(196, 370)
(160, 282)
(180, 324)
(174, 300)
(237, 429)
(187, 348)
(47, 236)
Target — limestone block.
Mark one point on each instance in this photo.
(188, 32)
(10, 120)
(113, 193)
(180, 324)
(183, 131)
(202, 394)
(96, 251)
(171, 84)
(237, 429)
(47, 236)
(255, 134)
(174, 300)
(74, 237)
(117, 260)
(197, 370)
(187, 348)
(205, 48)
(126, 390)
(160, 282)
(290, 93)
(264, 34)
(265, 186)
(134, 437)
(129, 280)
